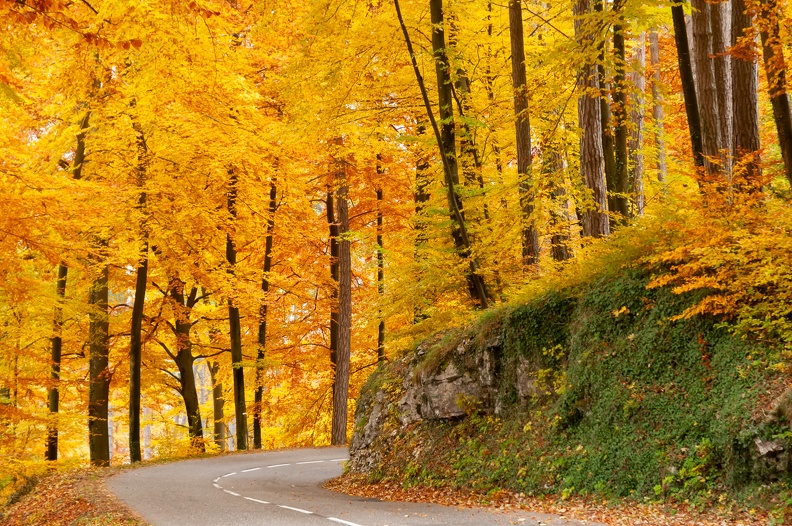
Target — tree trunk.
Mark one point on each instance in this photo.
(341, 381)
(745, 96)
(135, 339)
(621, 187)
(720, 21)
(476, 285)
(218, 403)
(606, 119)
(262, 333)
(182, 307)
(706, 88)
(99, 372)
(522, 123)
(592, 161)
(657, 106)
(688, 82)
(637, 118)
(334, 232)
(57, 346)
(53, 394)
(775, 67)
(235, 329)
(380, 276)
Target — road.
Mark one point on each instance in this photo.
(281, 488)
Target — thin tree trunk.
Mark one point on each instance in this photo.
(745, 96)
(99, 372)
(706, 88)
(380, 276)
(135, 339)
(53, 395)
(218, 403)
(621, 187)
(57, 346)
(638, 80)
(775, 68)
(262, 333)
(421, 196)
(657, 106)
(476, 284)
(338, 434)
(595, 221)
(334, 253)
(235, 329)
(522, 123)
(688, 82)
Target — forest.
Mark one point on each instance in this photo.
(218, 217)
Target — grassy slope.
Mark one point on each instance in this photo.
(636, 405)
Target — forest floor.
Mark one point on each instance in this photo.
(75, 497)
(617, 513)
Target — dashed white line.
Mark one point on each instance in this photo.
(311, 462)
(338, 460)
(341, 521)
(249, 470)
(295, 509)
(216, 485)
(278, 465)
(231, 493)
(256, 500)
(228, 474)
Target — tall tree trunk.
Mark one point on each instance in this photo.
(53, 394)
(135, 339)
(592, 161)
(720, 21)
(262, 333)
(235, 329)
(338, 434)
(334, 253)
(657, 106)
(775, 68)
(688, 82)
(380, 276)
(621, 187)
(476, 284)
(218, 403)
(637, 118)
(57, 346)
(522, 123)
(99, 372)
(706, 88)
(745, 96)
(606, 119)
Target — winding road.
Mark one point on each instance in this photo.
(281, 488)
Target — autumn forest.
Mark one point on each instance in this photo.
(219, 216)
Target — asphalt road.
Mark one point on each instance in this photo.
(281, 488)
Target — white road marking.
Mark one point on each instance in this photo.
(256, 500)
(341, 521)
(295, 509)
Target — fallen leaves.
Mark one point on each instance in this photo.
(588, 509)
